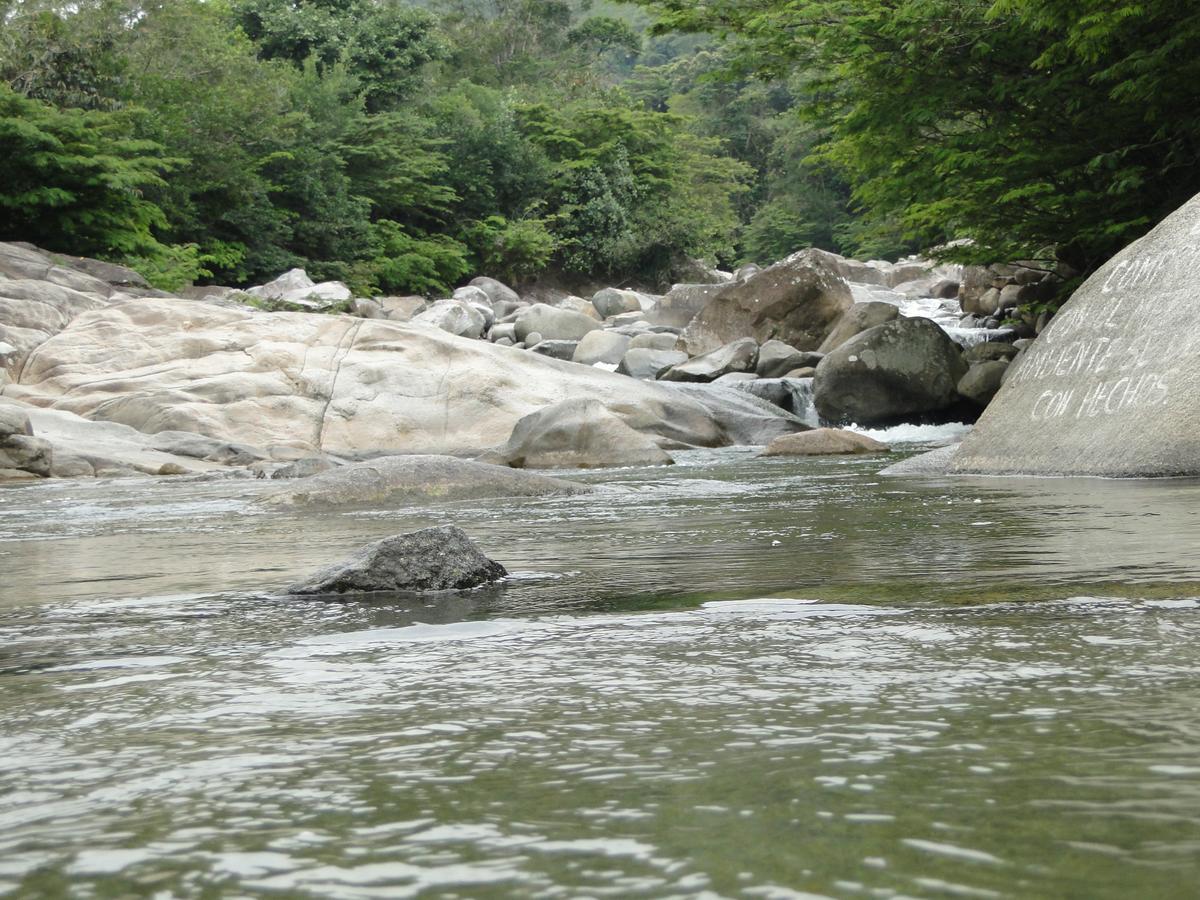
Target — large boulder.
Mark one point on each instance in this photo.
(614, 301)
(577, 434)
(22, 261)
(605, 347)
(859, 318)
(317, 383)
(31, 312)
(553, 324)
(744, 419)
(1111, 387)
(904, 368)
(824, 442)
(776, 359)
(681, 304)
(983, 380)
(497, 291)
(646, 364)
(797, 301)
(454, 317)
(738, 356)
(295, 287)
(397, 480)
(68, 446)
(434, 559)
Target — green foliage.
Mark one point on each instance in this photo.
(74, 179)
(511, 251)
(411, 263)
(1034, 127)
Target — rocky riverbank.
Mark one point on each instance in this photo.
(104, 376)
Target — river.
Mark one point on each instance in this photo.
(737, 677)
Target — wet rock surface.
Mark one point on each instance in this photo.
(430, 560)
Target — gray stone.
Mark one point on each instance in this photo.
(932, 462)
(476, 296)
(646, 364)
(681, 304)
(824, 442)
(29, 454)
(983, 380)
(614, 301)
(303, 468)
(858, 318)
(434, 559)
(738, 356)
(749, 270)
(745, 420)
(507, 331)
(990, 350)
(1111, 387)
(577, 434)
(798, 301)
(497, 291)
(13, 421)
(908, 367)
(775, 359)
(564, 350)
(944, 289)
(395, 480)
(553, 324)
(653, 341)
(736, 378)
(197, 446)
(579, 305)
(601, 347)
(454, 317)
(532, 339)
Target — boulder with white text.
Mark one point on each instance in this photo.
(1112, 386)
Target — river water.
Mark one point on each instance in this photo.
(734, 678)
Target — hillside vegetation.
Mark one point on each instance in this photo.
(402, 146)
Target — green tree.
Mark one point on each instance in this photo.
(1035, 127)
(74, 181)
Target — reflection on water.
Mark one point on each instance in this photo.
(736, 678)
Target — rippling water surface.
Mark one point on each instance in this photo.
(733, 678)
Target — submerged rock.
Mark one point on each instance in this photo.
(824, 442)
(395, 480)
(434, 559)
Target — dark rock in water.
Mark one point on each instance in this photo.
(797, 301)
(908, 367)
(577, 434)
(422, 479)
(434, 559)
(1112, 386)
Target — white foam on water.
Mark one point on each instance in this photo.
(915, 434)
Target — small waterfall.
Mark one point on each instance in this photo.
(803, 406)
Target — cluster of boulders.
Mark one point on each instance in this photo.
(115, 378)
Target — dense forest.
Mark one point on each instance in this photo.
(402, 146)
